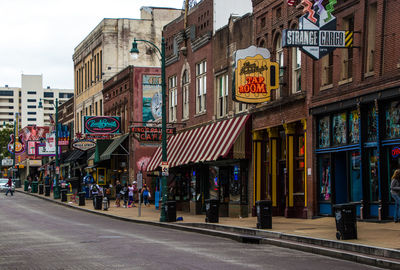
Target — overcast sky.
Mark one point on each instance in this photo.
(39, 36)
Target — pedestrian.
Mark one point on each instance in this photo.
(94, 190)
(131, 203)
(125, 194)
(395, 192)
(118, 189)
(107, 194)
(146, 195)
(9, 184)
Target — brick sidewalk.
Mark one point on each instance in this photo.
(385, 235)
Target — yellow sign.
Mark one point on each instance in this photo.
(255, 75)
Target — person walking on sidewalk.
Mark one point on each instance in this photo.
(9, 185)
(395, 192)
(107, 194)
(125, 194)
(146, 195)
(118, 189)
(130, 193)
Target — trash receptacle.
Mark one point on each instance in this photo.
(41, 188)
(82, 198)
(56, 192)
(346, 221)
(26, 185)
(35, 186)
(212, 210)
(264, 214)
(170, 211)
(98, 199)
(17, 183)
(64, 195)
(47, 190)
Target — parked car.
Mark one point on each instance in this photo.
(3, 185)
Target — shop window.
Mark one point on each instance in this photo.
(347, 55)
(301, 147)
(323, 131)
(393, 157)
(373, 175)
(339, 129)
(214, 182)
(234, 187)
(354, 127)
(371, 118)
(324, 172)
(327, 70)
(355, 177)
(392, 118)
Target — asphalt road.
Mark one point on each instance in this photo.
(37, 234)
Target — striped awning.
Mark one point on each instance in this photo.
(206, 143)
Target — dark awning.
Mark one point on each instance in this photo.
(113, 146)
(75, 154)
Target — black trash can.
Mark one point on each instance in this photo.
(82, 198)
(98, 199)
(346, 221)
(170, 211)
(41, 188)
(212, 210)
(64, 195)
(47, 190)
(35, 186)
(264, 214)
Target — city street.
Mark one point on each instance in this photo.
(36, 234)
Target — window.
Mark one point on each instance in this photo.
(95, 108)
(48, 94)
(11, 100)
(201, 87)
(296, 70)
(354, 127)
(31, 92)
(185, 95)
(339, 129)
(222, 94)
(372, 124)
(6, 93)
(101, 107)
(241, 107)
(90, 109)
(324, 171)
(392, 115)
(347, 54)
(31, 100)
(32, 113)
(323, 131)
(172, 98)
(371, 37)
(327, 69)
(279, 59)
(31, 106)
(31, 119)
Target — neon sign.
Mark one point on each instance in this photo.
(395, 152)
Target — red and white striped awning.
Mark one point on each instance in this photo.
(201, 144)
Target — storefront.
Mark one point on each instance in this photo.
(209, 162)
(357, 152)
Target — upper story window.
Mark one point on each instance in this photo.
(296, 70)
(48, 94)
(222, 93)
(279, 59)
(201, 86)
(185, 95)
(6, 93)
(172, 98)
(347, 54)
(31, 100)
(31, 92)
(371, 37)
(327, 70)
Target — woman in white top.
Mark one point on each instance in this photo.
(130, 193)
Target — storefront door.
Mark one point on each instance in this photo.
(341, 188)
(281, 189)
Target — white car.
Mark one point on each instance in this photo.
(3, 185)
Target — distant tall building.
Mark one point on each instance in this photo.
(25, 101)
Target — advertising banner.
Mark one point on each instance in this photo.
(102, 124)
(152, 99)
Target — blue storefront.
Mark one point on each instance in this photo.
(357, 149)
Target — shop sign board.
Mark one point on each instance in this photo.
(6, 162)
(84, 145)
(254, 75)
(317, 35)
(150, 134)
(102, 124)
(42, 150)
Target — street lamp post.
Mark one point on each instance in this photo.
(15, 134)
(135, 52)
(56, 187)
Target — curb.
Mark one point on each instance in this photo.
(370, 255)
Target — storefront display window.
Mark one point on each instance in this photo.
(373, 174)
(355, 177)
(339, 129)
(371, 135)
(193, 187)
(354, 127)
(234, 188)
(301, 147)
(392, 116)
(214, 181)
(324, 178)
(393, 163)
(323, 131)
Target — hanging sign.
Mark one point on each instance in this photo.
(164, 168)
(255, 75)
(317, 35)
(102, 124)
(84, 145)
(395, 152)
(150, 134)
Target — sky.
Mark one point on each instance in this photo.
(39, 36)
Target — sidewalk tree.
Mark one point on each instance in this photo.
(5, 133)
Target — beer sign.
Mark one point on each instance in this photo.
(255, 75)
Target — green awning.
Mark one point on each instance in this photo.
(113, 146)
(101, 146)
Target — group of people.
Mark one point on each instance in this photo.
(127, 193)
